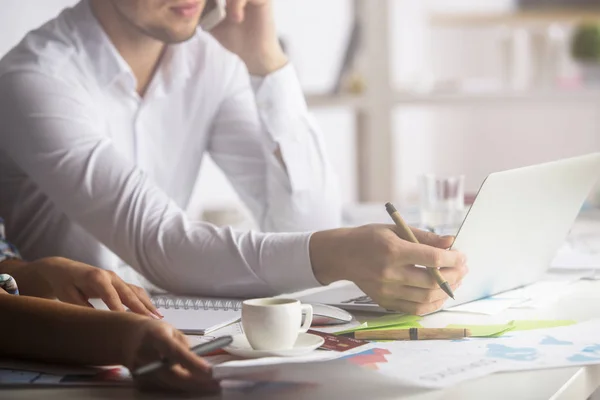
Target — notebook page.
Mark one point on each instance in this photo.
(199, 321)
(195, 315)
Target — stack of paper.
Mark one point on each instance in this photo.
(570, 257)
(582, 248)
(537, 295)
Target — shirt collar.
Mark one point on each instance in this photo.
(175, 69)
(106, 62)
(109, 66)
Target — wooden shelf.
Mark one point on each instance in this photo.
(450, 98)
(541, 96)
(332, 100)
(572, 16)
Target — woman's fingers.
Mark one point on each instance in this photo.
(72, 295)
(99, 283)
(142, 295)
(187, 372)
(131, 299)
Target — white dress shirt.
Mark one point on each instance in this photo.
(91, 171)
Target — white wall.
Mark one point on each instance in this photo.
(20, 16)
(473, 140)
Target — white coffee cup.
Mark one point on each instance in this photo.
(274, 323)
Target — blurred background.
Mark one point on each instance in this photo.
(403, 88)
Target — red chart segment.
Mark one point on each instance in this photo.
(368, 358)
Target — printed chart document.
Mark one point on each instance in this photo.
(19, 373)
(428, 364)
(439, 364)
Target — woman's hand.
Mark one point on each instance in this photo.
(74, 282)
(46, 330)
(155, 340)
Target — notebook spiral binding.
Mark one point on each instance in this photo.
(177, 303)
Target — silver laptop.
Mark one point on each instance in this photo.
(512, 232)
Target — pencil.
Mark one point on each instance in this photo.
(405, 233)
(414, 334)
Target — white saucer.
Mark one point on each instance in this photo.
(305, 343)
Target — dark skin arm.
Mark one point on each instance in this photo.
(51, 331)
(30, 282)
(64, 327)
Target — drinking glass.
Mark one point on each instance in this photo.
(442, 203)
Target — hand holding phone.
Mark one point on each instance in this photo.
(250, 33)
(214, 13)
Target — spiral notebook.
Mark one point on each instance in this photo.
(197, 315)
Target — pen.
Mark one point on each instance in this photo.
(414, 334)
(405, 233)
(199, 350)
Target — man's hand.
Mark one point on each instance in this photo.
(383, 265)
(249, 31)
(74, 282)
(153, 340)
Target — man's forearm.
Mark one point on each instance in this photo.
(30, 282)
(52, 331)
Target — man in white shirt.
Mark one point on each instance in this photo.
(106, 112)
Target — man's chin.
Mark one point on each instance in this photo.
(179, 38)
(172, 37)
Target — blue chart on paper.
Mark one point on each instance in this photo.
(594, 350)
(511, 353)
(588, 354)
(549, 340)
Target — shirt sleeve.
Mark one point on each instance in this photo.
(258, 117)
(51, 131)
(7, 250)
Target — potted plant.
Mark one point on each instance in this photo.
(586, 51)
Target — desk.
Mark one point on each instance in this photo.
(582, 303)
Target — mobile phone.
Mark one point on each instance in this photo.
(214, 12)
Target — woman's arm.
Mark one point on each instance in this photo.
(47, 330)
(71, 281)
(52, 331)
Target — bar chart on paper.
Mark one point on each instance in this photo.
(438, 364)
(369, 359)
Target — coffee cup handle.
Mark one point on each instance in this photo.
(308, 317)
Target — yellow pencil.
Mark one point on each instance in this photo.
(406, 234)
(414, 334)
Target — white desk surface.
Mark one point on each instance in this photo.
(569, 384)
(581, 304)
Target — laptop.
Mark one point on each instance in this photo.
(518, 221)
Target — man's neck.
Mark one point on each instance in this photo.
(140, 51)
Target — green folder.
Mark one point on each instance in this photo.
(387, 322)
(517, 325)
